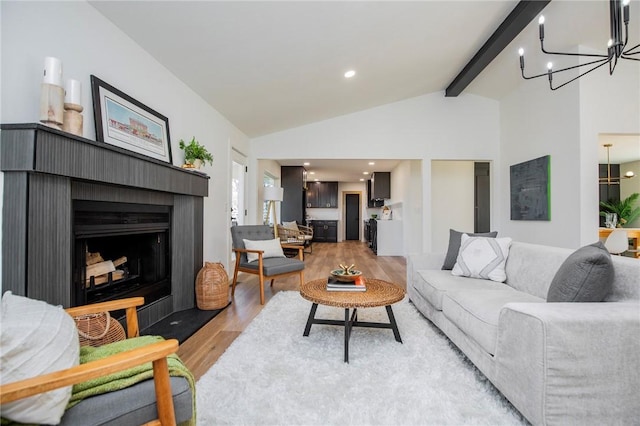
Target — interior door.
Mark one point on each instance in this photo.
(352, 217)
(482, 192)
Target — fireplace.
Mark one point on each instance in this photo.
(120, 250)
(68, 200)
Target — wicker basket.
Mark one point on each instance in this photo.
(212, 287)
(98, 329)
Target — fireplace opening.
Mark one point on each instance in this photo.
(120, 250)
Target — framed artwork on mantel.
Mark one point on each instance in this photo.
(127, 123)
(531, 189)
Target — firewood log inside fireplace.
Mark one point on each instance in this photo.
(99, 268)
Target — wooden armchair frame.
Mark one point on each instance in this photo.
(260, 270)
(155, 353)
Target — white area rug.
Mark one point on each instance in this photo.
(272, 375)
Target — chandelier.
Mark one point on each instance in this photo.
(616, 179)
(618, 14)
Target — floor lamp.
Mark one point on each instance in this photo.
(273, 194)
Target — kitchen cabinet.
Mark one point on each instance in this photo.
(380, 185)
(322, 195)
(293, 181)
(388, 239)
(372, 202)
(325, 231)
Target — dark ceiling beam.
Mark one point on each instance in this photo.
(518, 19)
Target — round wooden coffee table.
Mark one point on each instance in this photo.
(378, 293)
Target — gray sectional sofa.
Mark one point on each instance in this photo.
(557, 363)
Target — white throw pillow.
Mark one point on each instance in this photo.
(291, 225)
(271, 248)
(482, 257)
(37, 338)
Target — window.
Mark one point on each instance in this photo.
(267, 180)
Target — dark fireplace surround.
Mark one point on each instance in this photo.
(65, 195)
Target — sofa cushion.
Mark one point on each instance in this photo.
(433, 284)
(37, 338)
(482, 257)
(276, 265)
(585, 276)
(454, 246)
(476, 312)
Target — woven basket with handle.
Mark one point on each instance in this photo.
(212, 287)
(99, 329)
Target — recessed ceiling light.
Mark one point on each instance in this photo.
(371, 163)
(312, 173)
(306, 163)
(316, 179)
(361, 180)
(365, 173)
(349, 74)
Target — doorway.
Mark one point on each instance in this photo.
(482, 197)
(238, 210)
(352, 217)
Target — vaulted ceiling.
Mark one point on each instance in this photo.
(271, 65)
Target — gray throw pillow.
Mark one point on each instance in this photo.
(585, 276)
(454, 246)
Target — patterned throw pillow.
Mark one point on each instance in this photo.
(454, 246)
(482, 257)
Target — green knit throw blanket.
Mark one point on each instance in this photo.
(126, 378)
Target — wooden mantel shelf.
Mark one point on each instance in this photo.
(40, 149)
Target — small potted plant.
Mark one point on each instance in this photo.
(195, 154)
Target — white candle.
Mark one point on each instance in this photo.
(73, 92)
(52, 71)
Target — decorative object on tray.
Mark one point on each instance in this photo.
(386, 213)
(127, 123)
(346, 273)
(212, 287)
(52, 94)
(73, 120)
(195, 154)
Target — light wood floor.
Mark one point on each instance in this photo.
(202, 349)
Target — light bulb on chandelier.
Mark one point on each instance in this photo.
(618, 15)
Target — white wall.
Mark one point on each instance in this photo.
(535, 122)
(565, 124)
(452, 194)
(422, 128)
(87, 43)
(608, 104)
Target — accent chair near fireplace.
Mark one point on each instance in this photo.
(65, 195)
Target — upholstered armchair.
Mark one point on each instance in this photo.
(258, 252)
(160, 400)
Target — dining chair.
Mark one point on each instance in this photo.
(617, 242)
